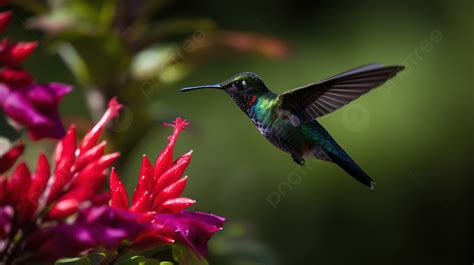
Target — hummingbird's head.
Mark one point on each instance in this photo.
(244, 84)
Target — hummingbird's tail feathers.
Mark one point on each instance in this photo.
(343, 160)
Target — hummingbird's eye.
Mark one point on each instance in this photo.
(241, 84)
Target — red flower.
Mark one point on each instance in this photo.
(100, 227)
(14, 53)
(30, 105)
(8, 159)
(15, 77)
(158, 197)
(159, 187)
(27, 199)
(5, 18)
(82, 169)
(34, 205)
(78, 175)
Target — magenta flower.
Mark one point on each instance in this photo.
(60, 210)
(192, 229)
(97, 227)
(78, 176)
(45, 198)
(35, 107)
(28, 104)
(6, 215)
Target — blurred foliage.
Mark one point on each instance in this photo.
(414, 136)
(6, 130)
(119, 49)
(167, 255)
(237, 244)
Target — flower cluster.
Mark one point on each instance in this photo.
(76, 182)
(159, 186)
(157, 197)
(28, 104)
(60, 209)
(48, 214)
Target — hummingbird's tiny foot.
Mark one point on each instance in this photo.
(298, 160)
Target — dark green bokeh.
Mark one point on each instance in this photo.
(414, 136)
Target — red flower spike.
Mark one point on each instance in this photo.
(95, 169)
(5, 18)
(173, 173)
(19, 183)
(176, 205)
(172, 191)
(69, 203)
(39, 182)
(142, 205)
(165, 158)
(164, 161)
(147, 170)
(9, 158)
(178, 125)
(3, 188)
(145, 180)
(146, 217)
(15, 77)
(64, 156)
(16, 53)
(139, 189)
(107, 160)
(90, 139)
(4, 2)
(119, 196)
(64, 208)
(90, 155)
(41, 175)
(61, 178)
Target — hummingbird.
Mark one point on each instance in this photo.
(289, 120)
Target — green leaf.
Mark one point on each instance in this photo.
(74, 261)
(96, 257)
(179, 26)
(75, 63)
(150, 262)
(185, 256)
(151, 61)
(133, 260)
(140, 260)
(107, 14)
(149, 256)
(104, 57)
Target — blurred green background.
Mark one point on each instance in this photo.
(414, 135)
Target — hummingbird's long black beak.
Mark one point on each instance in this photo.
(217, 86)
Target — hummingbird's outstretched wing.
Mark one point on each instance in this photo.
(315, 100)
